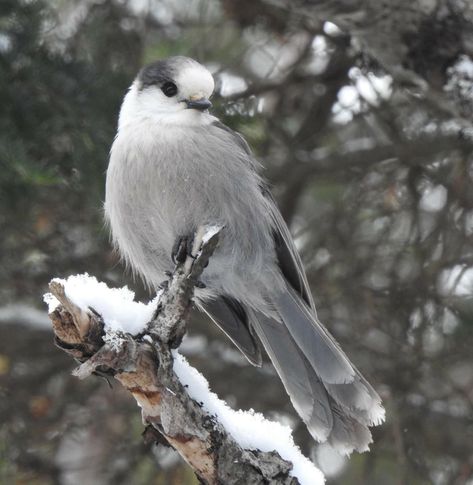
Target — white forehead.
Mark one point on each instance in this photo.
(192, 78)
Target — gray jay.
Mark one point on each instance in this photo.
(173, 168)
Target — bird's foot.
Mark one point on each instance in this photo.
(164, 285)
(182, 248)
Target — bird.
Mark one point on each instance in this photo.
(175, 167)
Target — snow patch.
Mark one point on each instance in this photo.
(364, 88)
(460, 83)
(249, 429)
(210, 232)
(117, 306)
(464, 67)
(434, 198)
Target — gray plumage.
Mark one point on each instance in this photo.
(173, 169)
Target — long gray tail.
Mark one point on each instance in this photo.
(333, 399)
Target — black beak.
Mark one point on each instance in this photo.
(200, 104)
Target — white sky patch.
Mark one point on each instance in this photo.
(469, 223)
(347, 105)
(183, 10)
(367, 88)
(271, 58)
(432, 341)
(260, 105)
(5, 42)
(461, 75)
(348, 97)
(382, 85)
(140, 7)
(460, 86)
(321, 258)
(457, 281)
(251, 430)
(70, 15)
(433, 199)
(320, 56)
(331, 29)
(449, 322)
(465, 66)
(231, 84)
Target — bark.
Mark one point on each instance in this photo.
(144, 366)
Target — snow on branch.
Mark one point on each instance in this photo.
(110, 333)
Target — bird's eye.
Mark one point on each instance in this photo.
(169, 89)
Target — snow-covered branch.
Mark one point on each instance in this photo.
(110, 333)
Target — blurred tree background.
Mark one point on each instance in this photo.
(361, 114)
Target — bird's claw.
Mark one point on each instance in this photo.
(164, 285)
(182, 248)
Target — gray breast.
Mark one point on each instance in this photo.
(162, 185)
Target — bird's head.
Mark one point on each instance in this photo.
(167, 88)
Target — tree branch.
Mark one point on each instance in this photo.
(144, 366)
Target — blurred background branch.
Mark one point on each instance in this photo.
(361, 114)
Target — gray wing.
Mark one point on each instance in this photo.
(288, 258)
(331, 396)
(232, 319)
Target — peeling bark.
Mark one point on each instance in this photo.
(144, 366)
